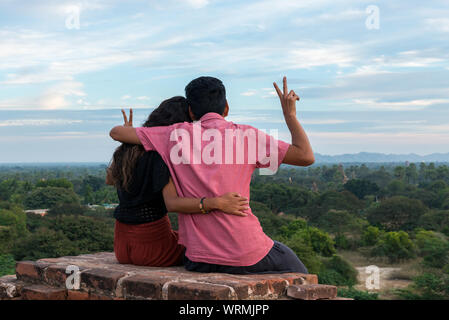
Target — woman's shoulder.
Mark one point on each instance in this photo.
(150, 157)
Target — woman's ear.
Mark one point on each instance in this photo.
(192, 116)
(226, 110)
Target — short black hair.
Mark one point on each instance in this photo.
(206, 94)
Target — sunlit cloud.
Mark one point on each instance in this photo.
(38, 122)
(360, 89)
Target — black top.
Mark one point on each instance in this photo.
(144, 201)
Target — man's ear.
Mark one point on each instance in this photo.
(226, 110)
(192, 116)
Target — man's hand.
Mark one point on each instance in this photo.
(288, 99)
(128, 123)
(300, 151)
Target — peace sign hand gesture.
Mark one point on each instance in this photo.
(128, 123)
(288, 99)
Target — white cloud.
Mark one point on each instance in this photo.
(56, 96)
(62, 95)
(198, 3)
(332, 17)
(439, 24)
(37, 122)
(310, 54)
(323, 121)
(394, 138)
(400, 105)
(38, 57)
(249, 93)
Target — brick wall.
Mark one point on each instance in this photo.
(102, 277)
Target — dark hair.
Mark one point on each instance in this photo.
(206, 94)
(170, 111)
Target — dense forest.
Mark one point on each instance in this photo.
(335, 217)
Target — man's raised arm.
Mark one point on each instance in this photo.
(125, 133)
(300, 152)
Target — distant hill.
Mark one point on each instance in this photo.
(381, 157)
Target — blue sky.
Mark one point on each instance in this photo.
(382, 89)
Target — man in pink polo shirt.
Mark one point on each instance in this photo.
(213, 156)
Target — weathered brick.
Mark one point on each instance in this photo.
(30, 271)
(41, 292)
(312, 291)
(339, 298)
(254, 286)
(300, 278)
(141, 286)
(9, 287)
(198, 291)
(94, 296)
(56, 275)
(261, 285)
(77, 295)
(241, 289)
(101, 279)
(292, 278)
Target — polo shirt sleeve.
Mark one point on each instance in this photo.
(153, 138)
(271, 151)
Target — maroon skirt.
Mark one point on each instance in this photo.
(152, 244)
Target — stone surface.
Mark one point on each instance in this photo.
(30, 271)
(199, 291)
(9, 287)
(102, 277)
(312, 291)
(42, 292)
(77, 295)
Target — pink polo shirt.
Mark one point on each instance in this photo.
(207, 159)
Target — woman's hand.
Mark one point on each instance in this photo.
(128, 123)
(288, 99)
(230, 203)
(125, 133)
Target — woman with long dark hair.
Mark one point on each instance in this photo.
(143, 233)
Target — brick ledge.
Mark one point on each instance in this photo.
(102, 277)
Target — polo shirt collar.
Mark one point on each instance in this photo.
(210, 116)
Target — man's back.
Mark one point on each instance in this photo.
(207, 159)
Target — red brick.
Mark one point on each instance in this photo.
(140, 286)
(94, 296)
(241, 288)
(306, 279)
(77, 295)
(9, 287)
(257, 287)
(312, 291)
(198, 291)
(41, 292)
(292, 278)
(56, 275)
(30, 270)
(339, 298)
(101, 279)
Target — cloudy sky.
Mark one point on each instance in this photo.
(372, 75)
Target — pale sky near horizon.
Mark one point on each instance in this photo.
(363, 86)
